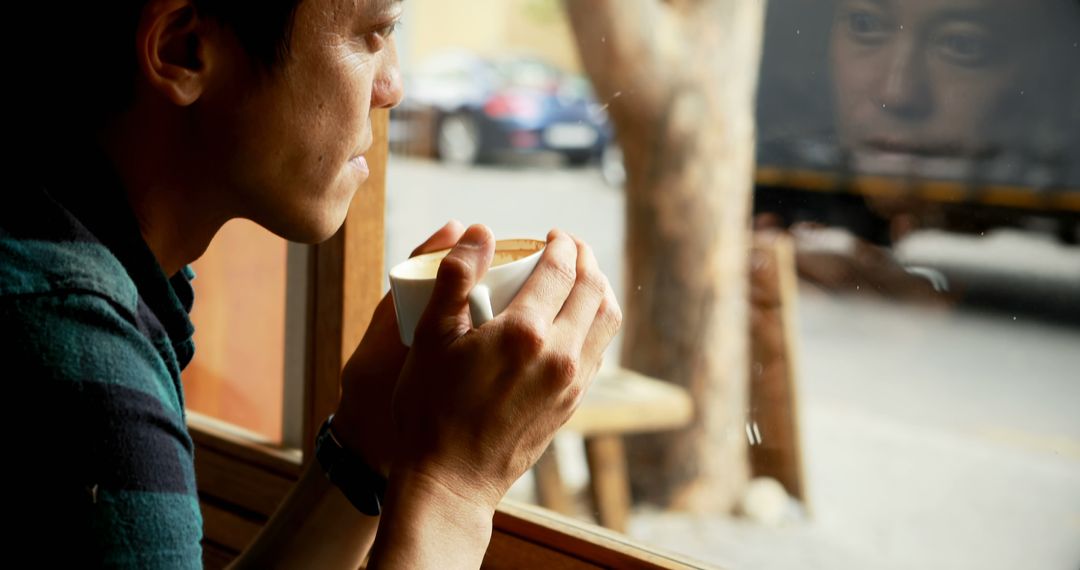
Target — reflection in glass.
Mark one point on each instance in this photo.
(922, 159)
(933, 87)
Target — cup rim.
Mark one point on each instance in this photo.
(395, 271)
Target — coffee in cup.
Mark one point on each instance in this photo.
(413, 280)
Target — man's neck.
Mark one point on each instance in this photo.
(178, 215)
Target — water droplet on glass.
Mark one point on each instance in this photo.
(883, 105)
(639, 287)
(1014, 318)
(797, 32)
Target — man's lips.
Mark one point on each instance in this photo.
(360, 163)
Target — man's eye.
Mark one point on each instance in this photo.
(964, 48)
(377, 38)
(867, 28)
(389, 29)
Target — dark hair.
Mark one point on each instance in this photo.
(81, 64)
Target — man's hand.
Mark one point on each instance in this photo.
(474, 408)
(363, 419)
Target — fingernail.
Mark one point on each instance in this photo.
(474, 237)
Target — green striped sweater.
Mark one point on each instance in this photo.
(93, 337)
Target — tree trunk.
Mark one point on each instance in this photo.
(680, 79)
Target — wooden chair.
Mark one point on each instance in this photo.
(775, 449)
(620, 402)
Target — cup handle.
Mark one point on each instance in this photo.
(480, 305)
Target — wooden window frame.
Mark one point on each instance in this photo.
(243, 477)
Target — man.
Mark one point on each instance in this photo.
(206, 111)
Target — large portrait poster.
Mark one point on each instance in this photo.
(982, 96)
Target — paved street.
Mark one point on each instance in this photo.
(933, 438)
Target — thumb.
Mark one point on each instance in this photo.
(447, 313)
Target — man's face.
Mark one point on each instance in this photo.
(916, 79)
(291, 145)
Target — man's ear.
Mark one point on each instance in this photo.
(176, 49)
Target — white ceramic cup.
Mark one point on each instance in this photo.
(413, 280)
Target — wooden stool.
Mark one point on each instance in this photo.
(775, 448)
(619, 402)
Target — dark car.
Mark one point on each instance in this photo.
(465, 109)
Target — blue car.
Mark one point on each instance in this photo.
(466, 109)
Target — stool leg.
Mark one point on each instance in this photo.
(550, 492)
(608, 483)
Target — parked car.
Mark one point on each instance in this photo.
(464, 109)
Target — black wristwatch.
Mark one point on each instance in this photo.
(362, 485)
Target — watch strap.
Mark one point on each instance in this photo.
(362, 485)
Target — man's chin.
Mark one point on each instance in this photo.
(314, 228)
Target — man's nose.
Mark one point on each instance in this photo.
(387, 90)
(904, 90)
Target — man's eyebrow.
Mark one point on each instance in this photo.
(984, 16)
(880, 4)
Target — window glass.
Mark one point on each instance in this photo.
(911, 297)
(237, 374)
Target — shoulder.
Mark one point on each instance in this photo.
(70, 310)
(44, 248)
(30, 267)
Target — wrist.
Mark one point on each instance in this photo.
(426, 524)
(457, 478)
(445, 492)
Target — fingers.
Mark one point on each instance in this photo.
(607, 322)
(580, 309)
(543, 295)
(384, 327)
(584, 326)
(444, 238)
(569, 290)
(447, 313)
